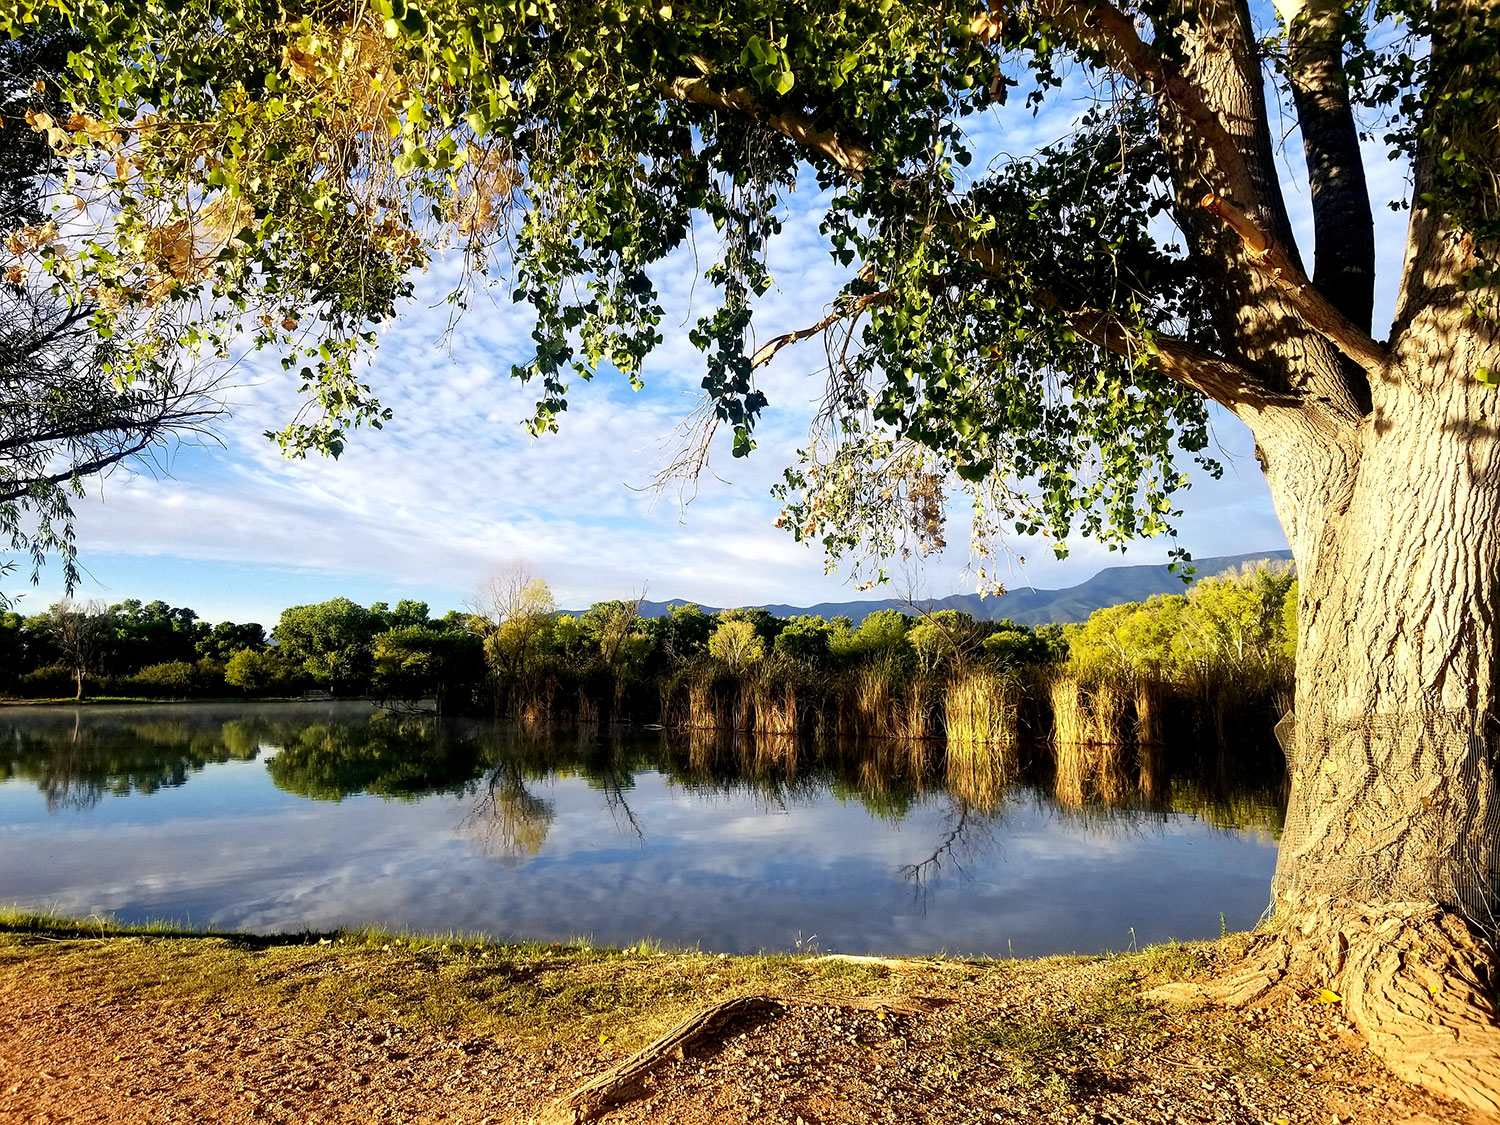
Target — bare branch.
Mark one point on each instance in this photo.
(764, 354)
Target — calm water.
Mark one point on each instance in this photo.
(285, 817)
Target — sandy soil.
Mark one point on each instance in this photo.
(66, 1055)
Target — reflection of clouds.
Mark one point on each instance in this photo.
(717, 872)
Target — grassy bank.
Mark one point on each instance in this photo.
(370, 1025)
(528, 993)
(463, 984)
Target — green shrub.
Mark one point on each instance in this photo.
(173, 679)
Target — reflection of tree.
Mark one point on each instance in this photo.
(385, 756)
(965, 833)
(77, 762)
(508, 822)
(1121, 787)
(77, 758)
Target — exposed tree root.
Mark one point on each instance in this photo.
(1418, 983)
(625, 1080)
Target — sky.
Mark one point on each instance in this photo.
(453, 491)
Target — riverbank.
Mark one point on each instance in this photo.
(110, 1024)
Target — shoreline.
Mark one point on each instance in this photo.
(125, 1023)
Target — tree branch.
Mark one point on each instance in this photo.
(1311, 305)
(850, 154)
(1344, 257)
(1112, 34)
(15, 489)
(764, 354)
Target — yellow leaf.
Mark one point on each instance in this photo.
(1326, 997)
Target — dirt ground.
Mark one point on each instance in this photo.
(1064, 1040)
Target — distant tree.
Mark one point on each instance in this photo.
(681, 633)
(766, 623)
(1237, 618)
(1233, 624)
(806, 637)
(407, 614)
(618, 632)
(261, 671)
(415, 662)
(153, 633)
(943, 638)
(331, 641)
(227, 638)
(82, 635)
(175, 678)
(12, 648)
(736, 645)
(1018, 645)
(512, 612)
(881, 634)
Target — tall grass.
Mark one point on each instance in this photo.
(1149, 700)
(1071, 725)
(873, 699)
(980, 707)
(1107, 712)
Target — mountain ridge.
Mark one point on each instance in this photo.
(1111, 586)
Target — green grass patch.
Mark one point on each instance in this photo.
(462, 984)
(1172, 961)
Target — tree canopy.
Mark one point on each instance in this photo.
(64, 414)
(1034, 326)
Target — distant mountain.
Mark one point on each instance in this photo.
(1111, 586)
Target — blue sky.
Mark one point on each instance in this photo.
(454, 490)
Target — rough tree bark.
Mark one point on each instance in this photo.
(1385, 885)
(1384, 465)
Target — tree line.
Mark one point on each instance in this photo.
(513, 654)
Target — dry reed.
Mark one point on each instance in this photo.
(873, 702)
(1149, 700)
(1107, 715)
(980, 708)
(1070, 719)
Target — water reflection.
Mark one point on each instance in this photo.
(76, 762)
(385, 756)
(76, 758)
(336, 814)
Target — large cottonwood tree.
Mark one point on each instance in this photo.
(1044, 328)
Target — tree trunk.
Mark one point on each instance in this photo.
(1386, 884)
